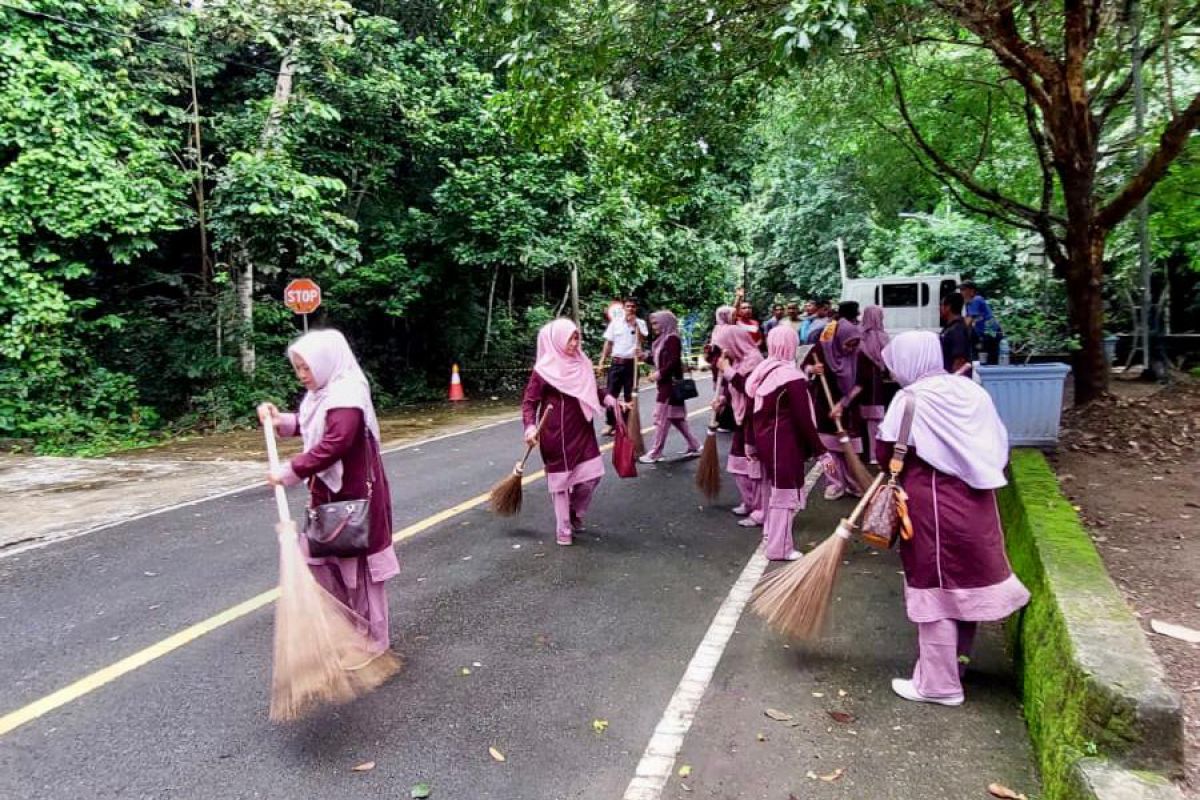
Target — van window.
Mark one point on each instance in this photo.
(924, 295)
(899, 295)
(948, 287)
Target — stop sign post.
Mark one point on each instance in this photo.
(302, 296)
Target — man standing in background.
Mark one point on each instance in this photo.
(985, 330)
(623, 340)
(776, 318)
(747, 322)
(822, 312)
(793, 319)
(956, 337)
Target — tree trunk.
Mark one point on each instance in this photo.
(487, 328)
(244, 274)
(1085, 304)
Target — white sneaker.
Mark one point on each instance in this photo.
(740, 510)
(904, 687)
(648, 459)
(834, 493)
(749, 522)
(689, 454)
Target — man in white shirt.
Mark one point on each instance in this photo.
(623, 341)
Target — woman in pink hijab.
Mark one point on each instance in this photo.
(341, 461)
(739, 357)
(956, 572)
(836, 355)
(785, 432)
(564, 381)
(667, 355)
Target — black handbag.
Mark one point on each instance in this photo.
(683, 389)
(342, 528)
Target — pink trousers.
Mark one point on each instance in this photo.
(753, 491)
(778, 515)
(944, 646)
(571, 505)
(663, 421)
(837, 474)
(367, 599)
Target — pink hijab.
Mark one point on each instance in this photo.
(737, 344)
(340, 384)
(955, 425)
(842, 362)
(725, 315)
(779, 368)
(874, 337)
(572, 375)
(668, 326)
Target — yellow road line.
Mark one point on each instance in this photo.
(90, 683)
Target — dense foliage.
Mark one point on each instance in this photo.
(441, 169)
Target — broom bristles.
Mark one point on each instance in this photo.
(708, 471)
(506, 496)
(633, 425)
(794, 600)
(323, 654)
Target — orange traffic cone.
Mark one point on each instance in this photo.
(456, 390)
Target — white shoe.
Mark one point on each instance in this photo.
(834, 493)
(690, 454)
(647, 459)
(795, 555)
(904, 687)
(740, 510)
(749, 522)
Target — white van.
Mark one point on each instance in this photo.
(910, 302)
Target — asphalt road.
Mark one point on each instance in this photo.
(554, 639)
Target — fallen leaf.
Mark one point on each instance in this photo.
(844, 717)
(1180, 632)
(420, 791)
(366, 766)
(833, 776)
(818, 694)
(777, 715)
(811, 775)
(842, 693)
(1000, 790)
(762, 737)
(599, 725)
(465, 671)
(685, 771)
(497, 755)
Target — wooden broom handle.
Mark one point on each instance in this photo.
(281, 505)
(852, 520)
(712, 420)
(529, 448)
(829, 398)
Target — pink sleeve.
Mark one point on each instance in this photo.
(289, 425)
(289, 476)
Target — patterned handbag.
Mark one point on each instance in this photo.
(342, 528)
(886, 517)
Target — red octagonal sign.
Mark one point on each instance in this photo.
(302, 296)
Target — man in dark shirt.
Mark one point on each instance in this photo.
(956, 337)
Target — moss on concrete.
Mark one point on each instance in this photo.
(1090, 683)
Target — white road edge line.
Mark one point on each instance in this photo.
(658, 760)
(75, 534)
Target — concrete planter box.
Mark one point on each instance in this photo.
(1029, 398)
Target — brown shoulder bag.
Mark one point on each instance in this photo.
(886, 517)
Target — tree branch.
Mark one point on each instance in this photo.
(947, 169)
(1170, 144)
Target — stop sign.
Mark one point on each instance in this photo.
(302, 296)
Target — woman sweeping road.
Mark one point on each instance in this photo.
(341, 462)
(956, 572)
(836, 359)
(564, 381)
(785, 432)
(712, 353)
(739, 357)
(667, 355)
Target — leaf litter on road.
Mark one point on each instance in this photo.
(1000, 790)
(844, 717)
(366, 766)
(777, 715)
(420, 791)
(496, 755)
(599, 725)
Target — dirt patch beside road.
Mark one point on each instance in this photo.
(1129, 463)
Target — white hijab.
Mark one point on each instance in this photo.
(340, 384)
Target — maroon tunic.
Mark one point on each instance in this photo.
(346, 440)
(869, 376)
(955, 566)
(670, 368)
(786, 435)
(568, 438)
(825, 423)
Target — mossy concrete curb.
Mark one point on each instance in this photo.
(1096, 702)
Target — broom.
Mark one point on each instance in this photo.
(708, 471)
(794, 600)
(507, 493)
(857, 471)
(322, 653)
(633, 422)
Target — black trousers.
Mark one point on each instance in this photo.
(990, 345)
(620, 379)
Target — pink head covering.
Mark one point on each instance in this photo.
(779, 368)
(668, 326)
(955, 426)
(842, 361)
(874, 337)
(340, 384)
(571, 375)
(725, 315)
(737, 345)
